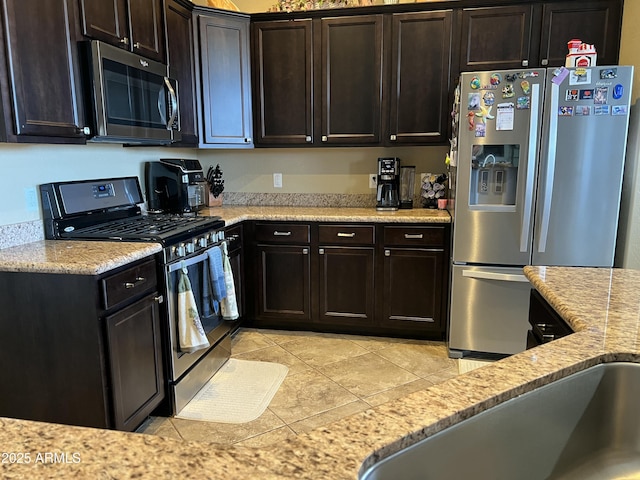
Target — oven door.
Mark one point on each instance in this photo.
(215, 328)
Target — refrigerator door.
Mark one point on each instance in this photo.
(498, 140)
(582, 163)
(491, 310)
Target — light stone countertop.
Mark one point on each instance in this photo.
(602, 305)
(73, 256)
(237, 214)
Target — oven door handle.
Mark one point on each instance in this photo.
(188, 262)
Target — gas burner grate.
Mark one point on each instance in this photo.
(149, 225)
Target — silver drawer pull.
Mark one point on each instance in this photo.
(347, 235)
(305, 251)
(412, 235)
(281, 234)
(321, 251)
(138, 281)
(387, 253)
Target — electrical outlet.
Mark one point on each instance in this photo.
(31, 199)
(277, 180)
(373, 180)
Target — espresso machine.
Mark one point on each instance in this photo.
(175, 185)
(388, 196)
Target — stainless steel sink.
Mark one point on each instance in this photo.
(584, 426)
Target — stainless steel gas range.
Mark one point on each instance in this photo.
(109, 209)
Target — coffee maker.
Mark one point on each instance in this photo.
(175, 185)
(388, 196)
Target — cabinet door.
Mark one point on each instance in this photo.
(43, 101)
(496, 38)
(346, 285)
(351, 56)
(282, 67)
(413, 280)
(226, 80)
(180, 56)
(135, 360)
(594, 22)
(147, 29)
(106, 20)
(420, 77)
(284, 291)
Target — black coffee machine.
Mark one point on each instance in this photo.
(388, 196)
(175, 185)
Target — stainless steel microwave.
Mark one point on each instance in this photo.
(132, 100)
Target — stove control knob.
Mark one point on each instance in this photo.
(180, 250)
(191, 247)
(202, 242)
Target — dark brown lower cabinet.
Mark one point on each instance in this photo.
(283, 290)
(353, 278)
(81, 349)
(346, 285)
(412, 282)
(135, 361)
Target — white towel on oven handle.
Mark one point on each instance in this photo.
(229, 304)
(190, 332)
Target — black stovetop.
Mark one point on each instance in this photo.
(163, 228)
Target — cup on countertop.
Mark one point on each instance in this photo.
(442, 203)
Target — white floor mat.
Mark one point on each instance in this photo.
(238, 393)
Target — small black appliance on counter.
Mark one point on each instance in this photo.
(388, 196)
(175, 185)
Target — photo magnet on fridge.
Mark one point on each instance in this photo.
(572, 94)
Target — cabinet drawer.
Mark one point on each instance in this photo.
(282, 233)
(414, 236)
(346, 234)
(129, 283)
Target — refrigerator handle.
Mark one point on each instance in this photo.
(505, 277)
(551, 167)
(531, 169)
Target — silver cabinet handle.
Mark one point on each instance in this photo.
(307, 138)
(159, 299)
(324, 138)
(347, 235)
(281, 234)
(305, 251)
(525, 63)
(124, 41)
(412, 236)
(544, 62)
(134, 284)
(136, 45)
(387, 253)
(321, 251)
(393, 138)
(247, 140)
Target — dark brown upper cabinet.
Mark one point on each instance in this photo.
(351, 84)
(496, 38)
(536, 35)
(182, 67)
(39, 72)
(420, 72)
(594, 22)
(135, 25)
(283, 82)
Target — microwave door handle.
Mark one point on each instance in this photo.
(174, 103)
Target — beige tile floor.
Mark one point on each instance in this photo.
(330, 377)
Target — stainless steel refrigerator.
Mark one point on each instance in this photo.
(538, 158)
